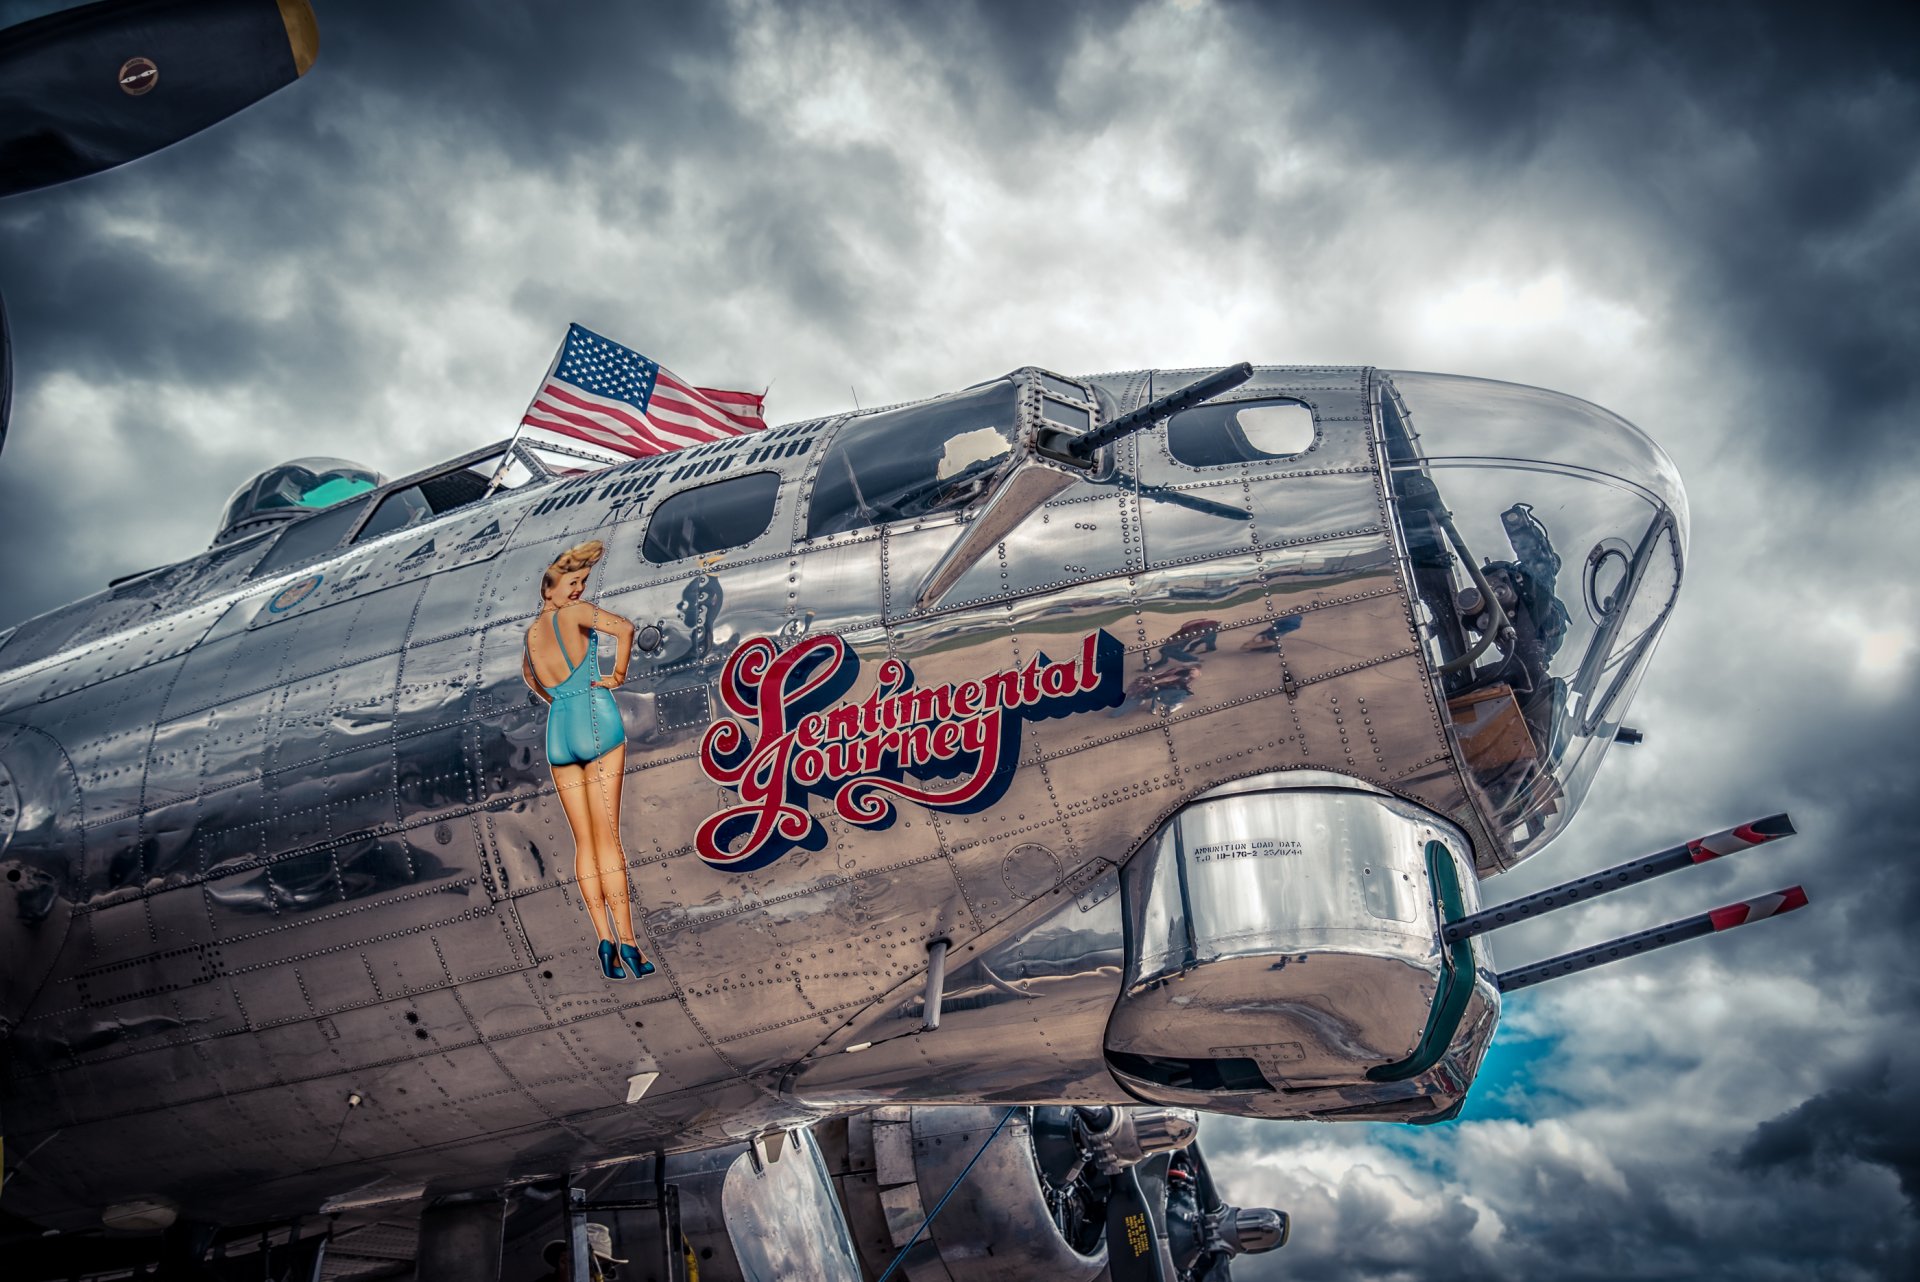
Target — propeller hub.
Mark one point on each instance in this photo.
(1250, 1230)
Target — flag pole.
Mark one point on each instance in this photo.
(500, 473)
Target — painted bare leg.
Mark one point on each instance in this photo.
(571, 783)
(604, 779)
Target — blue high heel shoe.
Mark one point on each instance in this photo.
(631, 956)
(609, 964)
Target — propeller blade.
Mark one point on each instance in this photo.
(6, 373)
(1133, 1241)
(86, 89)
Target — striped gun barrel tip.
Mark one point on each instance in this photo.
(1758, 909)
(1697, 851)
(1740, 837)
(1674, 932)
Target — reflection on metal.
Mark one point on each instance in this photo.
(40, 842)
(1455, 990)
(139, 1217)
(1039, 1200)
(1058, 971)
(784, 1221)
(1013, 502)
(1252, 1229)
(1082, 448)
(936, 984)
(1123, 1137)
(267, 860)
(1268, 975)
(941, 1205)
(891, 1166)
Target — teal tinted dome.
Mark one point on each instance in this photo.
(293, 489)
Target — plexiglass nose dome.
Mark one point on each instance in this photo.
(1545, 538)
(293, 489)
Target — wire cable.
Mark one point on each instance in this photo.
(935, 1213)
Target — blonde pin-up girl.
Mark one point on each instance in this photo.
(586, 744)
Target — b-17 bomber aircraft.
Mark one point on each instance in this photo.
(856, 849)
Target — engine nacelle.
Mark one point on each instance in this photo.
(1034, 1203)
(890, 1166)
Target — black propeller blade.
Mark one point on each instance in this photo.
(86, 89)
(6, 372)
(1133, 1239)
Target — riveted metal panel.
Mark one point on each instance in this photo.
(448, 543)
(364, 787)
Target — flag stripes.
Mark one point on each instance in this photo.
(610, 397)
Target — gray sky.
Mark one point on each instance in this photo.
(1705, 218)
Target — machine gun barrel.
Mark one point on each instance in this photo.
(1707, 923)
(1082, 447)
(1634, 871)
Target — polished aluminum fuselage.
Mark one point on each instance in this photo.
(272, 861)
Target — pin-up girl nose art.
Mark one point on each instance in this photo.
(586, 743)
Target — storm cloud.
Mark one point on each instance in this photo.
(1704, 217)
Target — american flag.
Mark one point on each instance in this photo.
(605, 399)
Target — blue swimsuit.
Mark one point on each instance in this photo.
(583, 722)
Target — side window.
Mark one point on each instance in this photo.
(428, 499)
(710, 518)
(900, 465)
(313, 537)
(1240, 432)
(396, 512)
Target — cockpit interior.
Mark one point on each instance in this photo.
(1544, 540)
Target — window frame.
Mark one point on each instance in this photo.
(707, 483)
(415, 479)
(1262, 460)
(1022, 387)
(262, 571)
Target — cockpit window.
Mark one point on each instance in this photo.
(1240, 432)
(313, 537)
(1545, 540)
(916, 461)
(712, 518)
(396, 512)
(428, 499)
